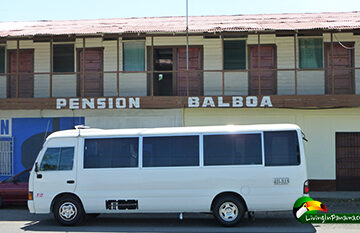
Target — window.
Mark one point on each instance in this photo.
(171, 151)
(311, 53)
(6, 154)
(134, 56)
(2, 59)
(281, 148)
(63, 58)
(111, 153)
(60, 158)
(234, 54)
(232, 149)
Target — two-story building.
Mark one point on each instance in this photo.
(242, 69)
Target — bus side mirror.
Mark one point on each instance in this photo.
(36, 168)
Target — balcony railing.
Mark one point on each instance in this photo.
(183, 83)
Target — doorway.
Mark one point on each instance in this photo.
(348, 161)
(343, 72)
(268, 77)
(163, 76)
(169, 66)
(25, 81)
(93, 84)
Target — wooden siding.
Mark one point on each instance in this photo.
(212, 83)
(178, 40)
(357, 64)
(132, 84)
(285, 52)
(264, 39)
(311, 82)
(236, 83)
(285, 83)
(2, 86)
(64, 85)
(212, 54)
(41, 86)
(110, 52)
(110, 83)
(212, 61)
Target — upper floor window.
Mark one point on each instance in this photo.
(134, 56)
(2, 59)
(234, 54)
(63, 58)
(311, 53)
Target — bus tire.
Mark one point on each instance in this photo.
(228, 210)
(68, 211)
(1, 202)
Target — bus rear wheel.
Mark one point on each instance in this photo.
(68, 211)
(228, 210)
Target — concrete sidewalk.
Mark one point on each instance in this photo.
(336, 195)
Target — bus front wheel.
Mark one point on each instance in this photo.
(68, 211)
(228, 210)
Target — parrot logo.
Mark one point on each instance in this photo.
(305, 204)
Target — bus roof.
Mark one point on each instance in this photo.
(94, 132)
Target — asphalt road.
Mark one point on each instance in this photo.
(18, 219)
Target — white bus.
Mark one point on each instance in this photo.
(224, 170)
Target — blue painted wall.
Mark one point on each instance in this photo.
(29, 135)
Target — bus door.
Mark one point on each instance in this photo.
(56, 171)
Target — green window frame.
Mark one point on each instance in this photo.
(234, 54)
(310, 53)
(134, 56)
(2, 59)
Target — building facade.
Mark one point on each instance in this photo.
(245, 69)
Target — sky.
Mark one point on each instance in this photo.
(25, 10)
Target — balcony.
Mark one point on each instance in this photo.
(286, 88)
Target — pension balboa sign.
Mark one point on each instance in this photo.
(146, 102)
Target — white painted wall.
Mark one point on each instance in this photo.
(133, 118)
(319, 126)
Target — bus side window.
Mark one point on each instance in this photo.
(281, 148)
(232, 149)
(111, 152)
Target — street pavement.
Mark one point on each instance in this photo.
(15, 219)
